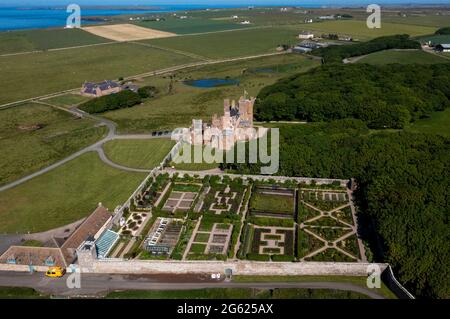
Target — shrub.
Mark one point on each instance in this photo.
(258, 257)
(147, 91)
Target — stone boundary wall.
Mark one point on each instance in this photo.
(239, 267)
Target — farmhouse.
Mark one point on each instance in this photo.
(100, 89)
(306, 35)
(443, 47)
(93, 227)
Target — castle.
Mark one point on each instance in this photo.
(235, 125)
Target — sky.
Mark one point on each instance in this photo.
(214, 2)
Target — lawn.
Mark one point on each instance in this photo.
(67, 100)
(145, 153)
(272, 203)
(64, 195)
(359, 30)
(402, 57)
(177, 104)
(232, 43)
(34, 136)
(198, 248)
(45, 39)
(437, 123)
(37, 74)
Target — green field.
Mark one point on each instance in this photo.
(358, 29)
(32, 75)
(231, 44)
(437, 123)
(430, 20)
(64, 195)
(45, 39)
(360, 281)
(20, 293)
(191, 165)
(67, 100)
(191, 25)
(237, 293)
(402, 57)
(33, 136)
(138, 153)
(177, 104)
(272, 203)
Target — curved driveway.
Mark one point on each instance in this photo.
(96, 147)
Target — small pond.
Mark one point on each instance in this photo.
(211, 83)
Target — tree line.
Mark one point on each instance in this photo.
(337, 53)
(387, 96)
(122, 99)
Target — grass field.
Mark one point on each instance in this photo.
(20, 293)
(45, 39)
(232, 43)
(32, 75)
(138, 153)
(402, 57)
(360, 281)
(437, 123)
(64, 195)
(67, 100)
(358, 29)
(177, 104)
(191, 25)
(192, 166)
(272, 203)
(237, 293)
(33, 136)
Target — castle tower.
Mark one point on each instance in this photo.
(226, 106)
(197, 132)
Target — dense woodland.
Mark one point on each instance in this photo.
(387, 96)
(445, 30)
(337, 53)
(404, 182)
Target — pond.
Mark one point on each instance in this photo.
(211, 83)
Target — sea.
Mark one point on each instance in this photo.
(21, 18)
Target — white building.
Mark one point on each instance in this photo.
(306, 35)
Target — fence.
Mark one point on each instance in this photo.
(393, 284)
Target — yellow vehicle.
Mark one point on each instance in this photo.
(55, 272)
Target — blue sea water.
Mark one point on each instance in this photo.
(36, 18)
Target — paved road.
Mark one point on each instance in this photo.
(99, 284)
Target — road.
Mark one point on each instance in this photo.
(100, 284)
(96, 147)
